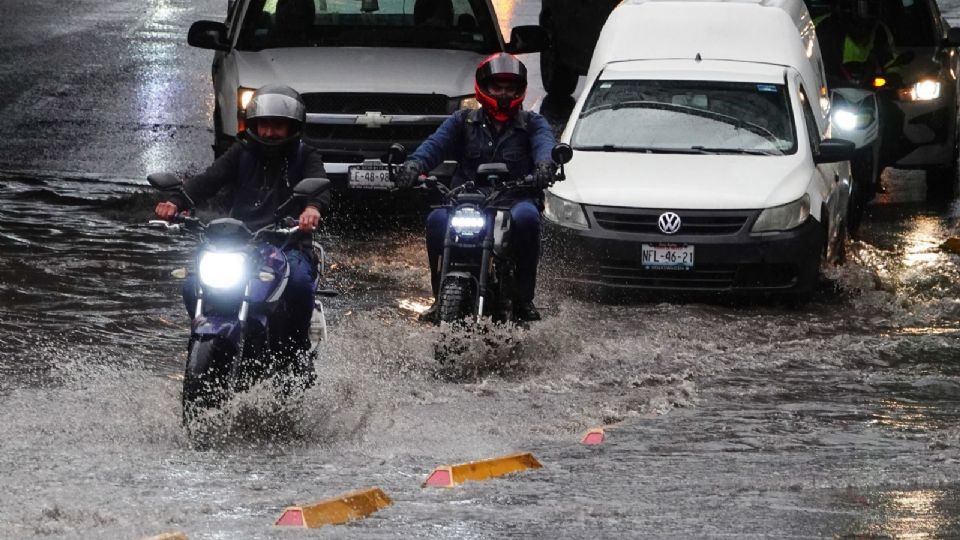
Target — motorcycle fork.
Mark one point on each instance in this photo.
(484, 270)
(242, 318)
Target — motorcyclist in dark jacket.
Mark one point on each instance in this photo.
(498, 132)
(262, 169)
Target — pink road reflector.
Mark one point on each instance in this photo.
(292, 517)
(593, 437)
(439, 478)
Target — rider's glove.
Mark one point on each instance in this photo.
(545, 175)
(408, 173)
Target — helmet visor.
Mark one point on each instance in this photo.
(503, 66)
(276, 106)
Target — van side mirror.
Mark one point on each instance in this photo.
(953, 38)
(208, 35)
(562, 153)
(834, 150)
(311, 187)
(165, 181)
(527, 39)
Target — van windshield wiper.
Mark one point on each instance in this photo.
(641, 149)
(751, 151)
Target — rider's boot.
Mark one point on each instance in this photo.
(432, 314)
(527, 312)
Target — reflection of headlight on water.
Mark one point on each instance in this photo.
(848, 120)
(222, 270)
(467, 221)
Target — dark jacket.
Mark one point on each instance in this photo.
(468, 137)
(260, 185)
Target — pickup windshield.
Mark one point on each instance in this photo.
(704, 117)
(442, 24)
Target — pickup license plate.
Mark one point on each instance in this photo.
(370, 175)
(667, 256)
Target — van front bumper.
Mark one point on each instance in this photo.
(735, 262)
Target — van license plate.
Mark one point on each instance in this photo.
(667, 256)
(370, 175)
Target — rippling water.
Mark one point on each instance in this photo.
(836, 418)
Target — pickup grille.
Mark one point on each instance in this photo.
(388, 104)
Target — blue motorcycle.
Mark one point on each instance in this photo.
(241, 277)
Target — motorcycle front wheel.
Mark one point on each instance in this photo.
(456, 300)
(206, 376)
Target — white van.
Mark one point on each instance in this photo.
(702, 153)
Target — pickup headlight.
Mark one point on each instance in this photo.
(849, 120)
(469, 102)
(222, 270)
(783, 218)
(564, 212)
(925, 90)
(244, 95)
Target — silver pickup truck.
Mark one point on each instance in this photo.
(372, 72)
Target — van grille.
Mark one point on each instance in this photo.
(693, 223)
(388, 104)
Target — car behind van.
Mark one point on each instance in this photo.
(370, 72)
(702, 156)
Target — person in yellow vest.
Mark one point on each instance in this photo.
(856, 43)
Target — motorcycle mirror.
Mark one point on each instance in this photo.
(164, 181)
(562, 153)
(311, 187)
(395, 154)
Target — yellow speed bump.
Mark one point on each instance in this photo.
(168, 536)
(335, 510)
(453, 475)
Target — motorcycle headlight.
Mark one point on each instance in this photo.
(849, 120)
(222, 270)
(467, 221)
(783, 218)
(925, 90)
(564, 212)
(469, 102)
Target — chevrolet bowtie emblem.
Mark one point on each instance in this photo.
(373, 119)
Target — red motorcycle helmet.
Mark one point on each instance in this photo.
(501, 67)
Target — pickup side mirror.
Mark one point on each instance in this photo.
(562, 153)
(311, 187)
(165, 181)
(527, 39)
(208, 35)
(953, 38)
(834, 150)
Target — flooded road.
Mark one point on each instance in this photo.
(840, 419)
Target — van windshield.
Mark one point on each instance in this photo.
(443, 24)
(686, 117)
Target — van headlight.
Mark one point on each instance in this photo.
(222, 270)
(925, 90)
(467, 221)
(564, 212)
(783, 218)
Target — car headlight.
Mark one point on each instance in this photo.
(467, 221)
(847, 120)
(564, 212)
(783, 218)
(925, 90)
(469, 102)
(222, 270)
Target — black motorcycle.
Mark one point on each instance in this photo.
(477, 267)
(241, 277)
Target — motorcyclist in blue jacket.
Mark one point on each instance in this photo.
(498, 132)
(262, 169)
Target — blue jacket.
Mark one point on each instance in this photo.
(468, 137)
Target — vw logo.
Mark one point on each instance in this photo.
(669, 223)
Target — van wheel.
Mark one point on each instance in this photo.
(557, 79)
(942, 182)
